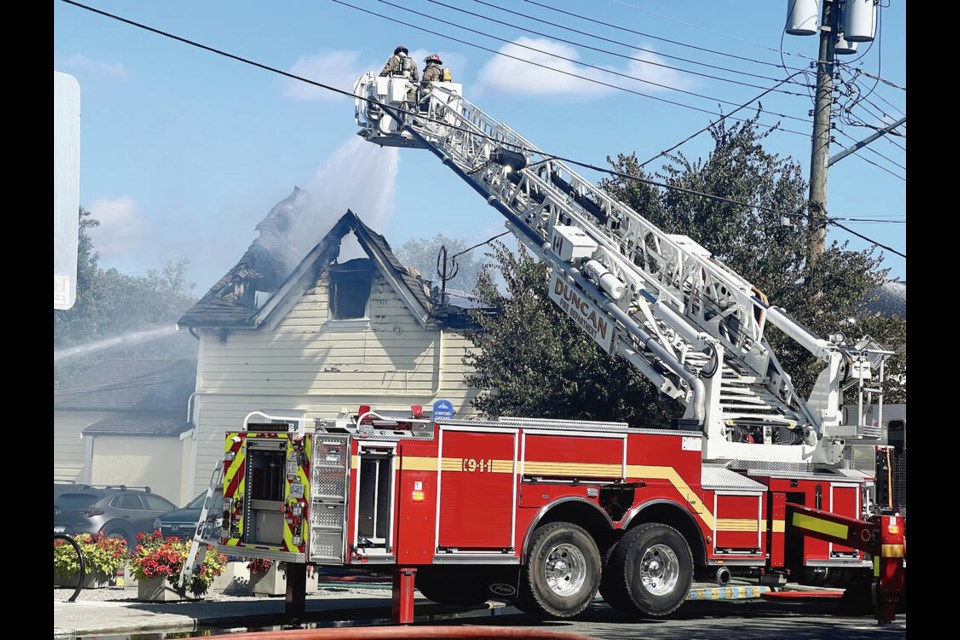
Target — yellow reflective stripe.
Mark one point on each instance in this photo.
(670, 474)
(737, 524)
(572, 469)
(891, 551)
(451, 464)
(810, 523)
(416, 463)
(355, 462)
(778, 526)
(420, 463)
(876, 567)
(502, 466)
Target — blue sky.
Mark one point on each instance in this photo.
(184, 151)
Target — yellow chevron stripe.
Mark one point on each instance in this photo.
(778, 526)
(737, 524)
(826, 527)
(670, 474)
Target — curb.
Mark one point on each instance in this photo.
(727, 593)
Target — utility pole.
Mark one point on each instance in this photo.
(817, 205)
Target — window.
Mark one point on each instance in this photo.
(126, 501)
(350, 289)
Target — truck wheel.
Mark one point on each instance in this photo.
(451, 587)
(562, 572)
(655, 566)
(612, 586)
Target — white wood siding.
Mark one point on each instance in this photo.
(325, 368)
(69, 448)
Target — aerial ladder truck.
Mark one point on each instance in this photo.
(753, 479)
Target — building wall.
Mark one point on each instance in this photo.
(69, 448)
(138, 461)
(313, 365)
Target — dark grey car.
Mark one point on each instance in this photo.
(182, 522)
(114, 511)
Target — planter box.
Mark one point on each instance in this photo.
(94, 580)
(234, 579)
(156, 590)
(271, 583)
(313, 580)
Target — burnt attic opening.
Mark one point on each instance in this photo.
(350, 285)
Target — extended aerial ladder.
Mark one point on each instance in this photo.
(687, 322)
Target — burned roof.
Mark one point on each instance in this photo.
(234, 301)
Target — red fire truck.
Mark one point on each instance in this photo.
(752, 480)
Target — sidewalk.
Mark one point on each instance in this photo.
(118, 612)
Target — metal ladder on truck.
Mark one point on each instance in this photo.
(207, 525)
(687, 322)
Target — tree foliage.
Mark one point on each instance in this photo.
(424, 255)
(538, 363)
(112, 305)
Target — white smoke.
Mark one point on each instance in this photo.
(358, 176)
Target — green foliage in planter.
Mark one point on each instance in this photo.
(159, 557)
(100, 554)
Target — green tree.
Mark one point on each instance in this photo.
(537, 363)
(111, 305)
(767, 243)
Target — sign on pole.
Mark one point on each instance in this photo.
(66, 188)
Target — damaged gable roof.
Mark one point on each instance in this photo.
(232, 302)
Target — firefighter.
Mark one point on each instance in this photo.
(401, 64)
(432, 72)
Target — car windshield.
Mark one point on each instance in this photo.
(68, 501)
(197, 502)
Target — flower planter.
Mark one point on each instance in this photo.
(93, 580)
(234, 579)
(271, 583)
(156, 590)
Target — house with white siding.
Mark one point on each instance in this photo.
(321, 340)
(124, 421)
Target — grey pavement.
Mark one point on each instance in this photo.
(116, 611)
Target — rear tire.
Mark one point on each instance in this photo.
(612, 587)
(654, 565)
(562, 571)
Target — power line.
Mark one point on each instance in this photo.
(695, 26)
(648, 35)
(617, 42)
(388, 109)
(712, 124)
(560, 71)
(870, 149)
(554, 55)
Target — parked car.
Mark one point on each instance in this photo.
(183, 522)
(112, 510)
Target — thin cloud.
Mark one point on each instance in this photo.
(338, 69)
(80, 61)
(122, 231)
(547, 73)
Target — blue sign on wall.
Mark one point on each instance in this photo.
(442, 409)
